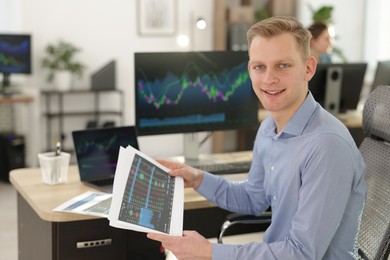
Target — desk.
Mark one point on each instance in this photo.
(352, 120)
(244, 138)
(16, 99)
(44, 234)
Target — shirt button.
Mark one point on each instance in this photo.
(272, 168)
(274, 197)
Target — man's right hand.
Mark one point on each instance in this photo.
(192, 177)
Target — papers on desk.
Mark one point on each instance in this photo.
(145, 198)
(88, 203)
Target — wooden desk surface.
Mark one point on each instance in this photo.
(351, 119)
(43, 198)
(16, 99)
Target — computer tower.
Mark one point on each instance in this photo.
(12, 154)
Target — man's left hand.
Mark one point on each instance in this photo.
(189, 246)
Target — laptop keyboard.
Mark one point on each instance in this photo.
(103, 182)
(226, 168)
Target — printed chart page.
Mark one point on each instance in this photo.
(145, 197)
(88, 203)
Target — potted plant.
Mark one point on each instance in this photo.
(61, 64)
(322, 14)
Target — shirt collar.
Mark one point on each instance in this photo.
(297, 123)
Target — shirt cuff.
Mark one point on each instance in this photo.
(209, 185)
(223, 252)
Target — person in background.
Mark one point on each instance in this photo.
(305, 164)
(321, 42)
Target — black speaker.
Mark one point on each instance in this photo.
(12, 154)
(237, 37)
(334, 79)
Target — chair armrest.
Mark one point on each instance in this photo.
(236, 218)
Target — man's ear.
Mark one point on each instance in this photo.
(311, 66)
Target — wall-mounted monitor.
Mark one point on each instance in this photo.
(15, 56)
(337, 87)
(184, 92)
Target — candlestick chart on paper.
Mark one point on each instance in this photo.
(148, 196)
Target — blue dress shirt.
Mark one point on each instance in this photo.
(325, 58)
(311, 174)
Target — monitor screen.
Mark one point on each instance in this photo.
(382, 74)
(182, 92)
(15, 55)
(337, 87)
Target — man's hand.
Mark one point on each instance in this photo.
(190, 246)
(192, 177)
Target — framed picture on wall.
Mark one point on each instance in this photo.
(156, 17)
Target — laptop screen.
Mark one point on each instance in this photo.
(97, 150)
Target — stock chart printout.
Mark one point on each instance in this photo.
(145, 200)
(148, 196)
(88, 203)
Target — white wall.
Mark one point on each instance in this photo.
(348, 19)
(107, 30)
(377, 37)
(104, 30)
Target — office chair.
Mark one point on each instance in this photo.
(239, 219)
(374, 233)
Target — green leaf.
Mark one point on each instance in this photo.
(61, 56)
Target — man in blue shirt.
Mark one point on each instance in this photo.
(305, 164)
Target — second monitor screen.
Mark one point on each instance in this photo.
(179, 92)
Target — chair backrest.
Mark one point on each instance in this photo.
(374, 235)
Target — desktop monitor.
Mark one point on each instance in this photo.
(382, 74)
(104, 78)
(15, 56)
(187, 92)
(337, 87)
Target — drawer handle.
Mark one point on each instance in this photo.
(94, 243)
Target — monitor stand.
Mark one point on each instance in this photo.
(6, 89)
(191, 151)
(191, 146)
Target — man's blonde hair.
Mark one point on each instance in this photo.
(277, 25)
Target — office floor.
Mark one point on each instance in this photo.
(8, 222)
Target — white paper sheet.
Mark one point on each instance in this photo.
(88, 203)
(154, 202)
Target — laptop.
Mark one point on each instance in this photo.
(97, 152)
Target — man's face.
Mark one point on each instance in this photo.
(278, 72)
